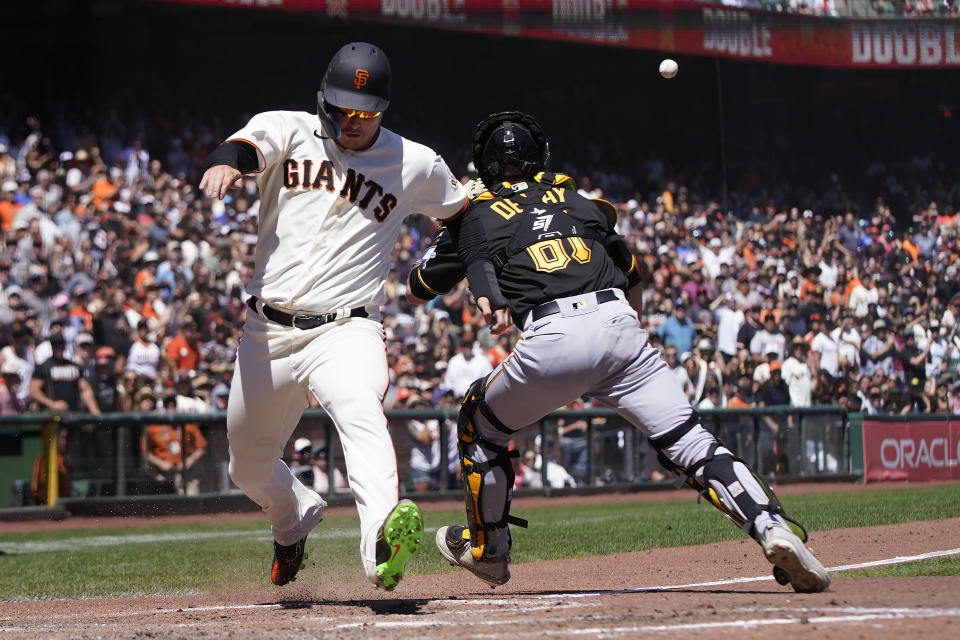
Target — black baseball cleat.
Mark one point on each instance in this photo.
(287, 561)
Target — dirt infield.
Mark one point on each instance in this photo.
(716, 590)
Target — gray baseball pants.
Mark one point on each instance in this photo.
(591, 350)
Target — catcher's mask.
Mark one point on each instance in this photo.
(509, 145)
(357, 79)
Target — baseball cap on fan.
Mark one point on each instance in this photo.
(358, 77)
(302, 444)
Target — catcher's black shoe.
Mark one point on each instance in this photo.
(287, 561)
(398, 539)
(453, 542)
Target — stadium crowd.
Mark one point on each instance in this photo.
(120, 282)
(113, 249)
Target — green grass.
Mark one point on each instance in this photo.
(196, 558)
(949, 566)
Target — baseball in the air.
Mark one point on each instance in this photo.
(669, 68)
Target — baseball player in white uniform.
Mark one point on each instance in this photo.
(334, 191)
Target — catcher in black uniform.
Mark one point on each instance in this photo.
(542, 257)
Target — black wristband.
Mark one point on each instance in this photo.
(242, 156)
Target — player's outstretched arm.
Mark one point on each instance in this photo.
(226, 165)
(218, 179)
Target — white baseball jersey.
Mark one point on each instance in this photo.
(342, 210)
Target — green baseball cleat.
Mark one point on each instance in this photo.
(399, 537)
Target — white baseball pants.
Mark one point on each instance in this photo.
(344, 365)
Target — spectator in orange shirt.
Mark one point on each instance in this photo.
(946, 218)
(908, 246)
(172, 451)
(103, 189)
(153, 306)
(8, 207)
(78, 308)
(148, 273)
(811, 279)
(853, 281)
(499, 351)
(183, 351)
(743, 396)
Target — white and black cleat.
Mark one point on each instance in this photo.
(453, 541)
(792, 562)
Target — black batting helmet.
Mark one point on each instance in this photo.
(509, 145)
(358, 77)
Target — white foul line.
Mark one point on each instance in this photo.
(716, 583)
(758, 622)
(886, 615)
(898, 560)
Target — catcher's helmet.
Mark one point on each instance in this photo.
(509, 145)
(358, 77)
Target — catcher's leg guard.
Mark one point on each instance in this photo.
(720, 476)
(487, 478)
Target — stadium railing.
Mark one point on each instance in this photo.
(110, 473)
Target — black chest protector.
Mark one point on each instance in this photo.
(547, 212)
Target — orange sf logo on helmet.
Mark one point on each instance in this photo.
(360, 78)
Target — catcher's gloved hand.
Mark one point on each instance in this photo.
(474, 188)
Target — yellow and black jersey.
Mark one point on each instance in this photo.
(527, 243)
(439, 269)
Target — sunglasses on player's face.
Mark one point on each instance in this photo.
(349, 113)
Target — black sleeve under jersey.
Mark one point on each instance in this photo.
(615, 245)
(619, 252)
(235, 153)
(475, 254)
(438, 270)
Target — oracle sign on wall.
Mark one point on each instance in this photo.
(901, 44)
(911, 451)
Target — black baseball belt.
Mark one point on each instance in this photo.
(299, 320)
(549, 308)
